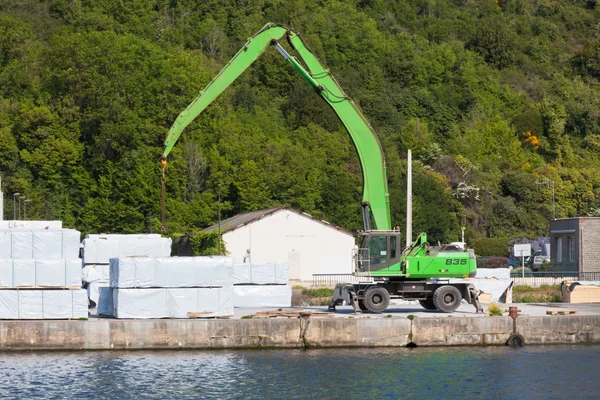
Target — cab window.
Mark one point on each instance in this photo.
(378, 251)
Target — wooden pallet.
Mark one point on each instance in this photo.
(562, 312)
(290, 314)
(203, 314)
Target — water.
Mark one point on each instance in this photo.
(534, 372)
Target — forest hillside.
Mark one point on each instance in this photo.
(498, 99)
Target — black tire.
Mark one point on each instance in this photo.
(447, 298)
(515, 340)
(361, 305)
(428, 304)
(377, 299)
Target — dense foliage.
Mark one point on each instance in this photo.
(499, 100)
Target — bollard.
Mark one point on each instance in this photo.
(513, 312)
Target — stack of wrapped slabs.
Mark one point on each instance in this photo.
(40, 274)
(261, 285)
(173, 287)
(99, 249)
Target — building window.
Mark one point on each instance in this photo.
(558, 249)
(571, 248)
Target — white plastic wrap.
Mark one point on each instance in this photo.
(493, 273)
(99, 249)
(171, 272)
(36, 273)
(105, 302)
(93, 290)
(245, 296)
(43, 304)
(172, 303)
(34, 225)
(24, 243)
(96, 273)
(495, 287)
(121, 236)
(261, 274)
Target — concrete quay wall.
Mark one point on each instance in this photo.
(292, 333)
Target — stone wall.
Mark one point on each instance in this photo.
(292, 332)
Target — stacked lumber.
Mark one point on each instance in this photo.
(173, 287)
(580, 292)
(261, 285)
(98, 249)
(40, 272)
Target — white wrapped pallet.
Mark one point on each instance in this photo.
(172, 272)
(493, 273)
(53, 244)
(121, 236)
(99, 250)
(261, 274)
(172, 302)
(96, 273)
(495, 287)
(93, 290)
(36, 273)
(105, 302)
(33, 225)
(43, 304)
(245, 296)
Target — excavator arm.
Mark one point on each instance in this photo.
(375, 189)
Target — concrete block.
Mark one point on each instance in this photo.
(54, 335)
(358, 332)
(452, 331)
(560, 329)
(201, 334)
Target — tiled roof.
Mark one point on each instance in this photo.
(239, 220)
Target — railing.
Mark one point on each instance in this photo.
(536, 279)
(333, 279)
(533, 279)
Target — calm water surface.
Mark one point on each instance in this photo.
(540, 372)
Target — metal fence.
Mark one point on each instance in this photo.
(333, 279)
(534, 279)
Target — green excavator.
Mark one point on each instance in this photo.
(419, 272)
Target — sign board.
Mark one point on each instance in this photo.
(522, 250)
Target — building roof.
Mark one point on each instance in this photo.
(240, 220)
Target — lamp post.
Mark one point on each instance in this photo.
(20, 199)
(219, 201)
(15, 205)
(25, 209)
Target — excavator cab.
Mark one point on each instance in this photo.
(378, 250)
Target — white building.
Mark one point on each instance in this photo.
(284, 234)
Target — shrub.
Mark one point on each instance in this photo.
(496, 262)
(207, 244)
(491, 247)
(494, 310)
(319, 292)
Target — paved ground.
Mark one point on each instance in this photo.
(403, 310)
(465, 310)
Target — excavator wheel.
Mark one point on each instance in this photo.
(428, 304)
(377, 299)
(447, 298)
(361, 305)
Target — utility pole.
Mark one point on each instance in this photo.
(15, 205)
(550, 184)
(219, 201)
(21, 198)
(25, 209)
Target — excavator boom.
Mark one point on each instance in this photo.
(370, 153)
